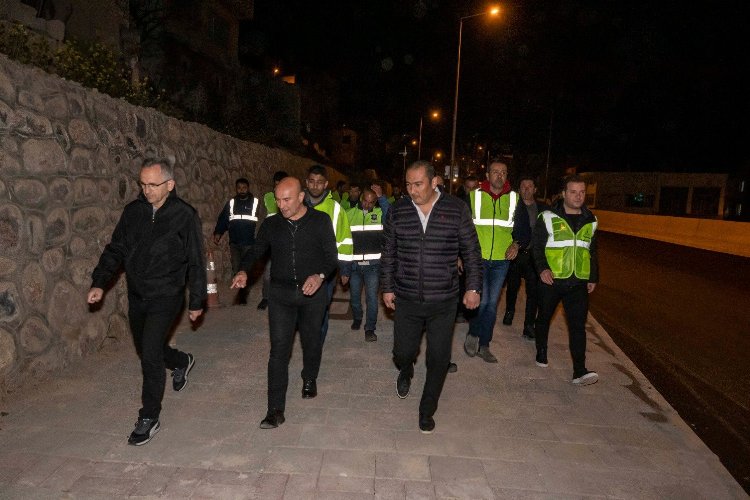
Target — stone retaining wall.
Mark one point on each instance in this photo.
(69, 162)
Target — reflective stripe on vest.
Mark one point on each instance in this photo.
(570, 255)
(367, 227)
(233, 216)
(479, 221)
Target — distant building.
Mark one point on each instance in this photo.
(677, 194)
(344, 146)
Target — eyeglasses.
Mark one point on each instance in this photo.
(152, 186)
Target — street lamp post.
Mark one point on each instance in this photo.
(434, 115)
(493, 11)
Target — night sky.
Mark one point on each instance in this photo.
(639, 86)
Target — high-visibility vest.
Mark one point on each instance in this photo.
(367, 233)
(344, 243)
(493, 220)
(269, 200)
(568, 252)
(250, 217)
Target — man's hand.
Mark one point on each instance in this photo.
(471, 300)
(312, 283)
(216, 238)
(377, 189)
(546, 277)
(460, 265)
(239, 280)
(194, 315)
(94, 295)
(512, 251)
(590, 287)
(389, 299)
(344, 280)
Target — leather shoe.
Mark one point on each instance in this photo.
(426, 424)
(309, 389)
(274, 418)
(370, 336)
(356, 324)
(508, 318)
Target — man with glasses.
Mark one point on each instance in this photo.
(159, 242)
(239, 216)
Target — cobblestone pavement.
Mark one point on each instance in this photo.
(506, 430)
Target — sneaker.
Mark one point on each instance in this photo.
(486, 355)
(262, 305)
(356, 324)
(452, 367)
(370, 336)
(587, 378)
(528, 334)
(541, 357)
(145, 430)
(471, 345)
(274, 418)
(426, 424)
(508, 318)
(403, 384)
(180, 375)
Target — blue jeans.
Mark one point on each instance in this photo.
(493, 276)
(370, 274)
(329, 287)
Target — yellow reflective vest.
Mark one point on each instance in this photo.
(493, 220)
(568, 252)
(344, 243)
(269, 200)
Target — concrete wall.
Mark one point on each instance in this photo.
(69, 161)
(708, 234)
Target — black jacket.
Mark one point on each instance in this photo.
(160, 251)
(241, 231)
(295, 253)
(539, 242)
(422, 266)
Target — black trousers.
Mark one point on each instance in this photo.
(410, 320)
(288, 310)
(151, 323)
(575, 299)
(523, 267)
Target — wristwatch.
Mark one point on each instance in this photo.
(475, 291)
(322, 276)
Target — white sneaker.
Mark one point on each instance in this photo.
(586, 379)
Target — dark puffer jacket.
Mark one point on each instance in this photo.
(160, 251)
(422, 266)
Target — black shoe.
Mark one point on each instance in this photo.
(262, 305)
(370, 336)
(356, 324)
(180, 375)
(274, 418)
(508, 318)
(426, 424)
(309, 389)
(528, 333)
(541, 357)
(145, 430)
(403, 383)
(452, 367)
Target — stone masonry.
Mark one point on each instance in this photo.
(69, 162)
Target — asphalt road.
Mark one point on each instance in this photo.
(683, 316)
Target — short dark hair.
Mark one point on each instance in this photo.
(498, 159)
(572, 178)
(526, 177)
(429, 168)
(355, 185)
(242, 180)
(279, 175)
(471, 178)
(318, 170)
(339, 184)
(166, 164)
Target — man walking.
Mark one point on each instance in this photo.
(424, 236)
(565, 256)
(523, 265)
(303, 254)
(366, 224)
(269, 201)
(502, 231)
(318, 196)
(158, 241)
(239, 216)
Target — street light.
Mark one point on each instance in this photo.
(494, 11)
(434, 115)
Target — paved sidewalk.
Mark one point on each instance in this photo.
(509, 430)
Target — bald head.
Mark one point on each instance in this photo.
(290, 197)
